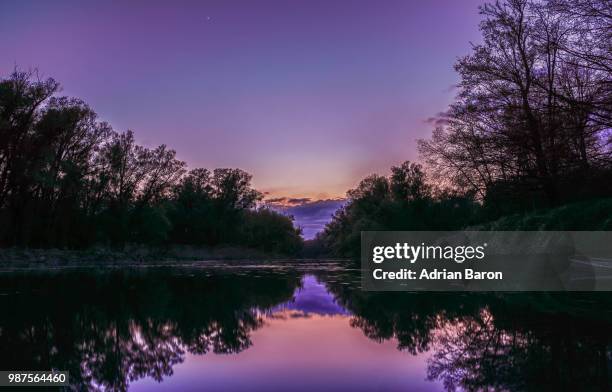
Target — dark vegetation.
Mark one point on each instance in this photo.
(118, 326)
(67, 180)
(527, 143)
(492, 342)
(122, 325)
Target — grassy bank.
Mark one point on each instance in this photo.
(19, 258)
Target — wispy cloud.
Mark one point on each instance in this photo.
(439, 119)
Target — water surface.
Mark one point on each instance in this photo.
(295, 326)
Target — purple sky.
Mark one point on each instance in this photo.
(308, 96)
(310, 215)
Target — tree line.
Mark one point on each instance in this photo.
(404, 200)
(491, 341)
(532, 122)
(69, 180)
(530, 129)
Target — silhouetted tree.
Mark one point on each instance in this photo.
(531, 120)
(403, 201)
(69, 180)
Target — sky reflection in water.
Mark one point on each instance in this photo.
(296, 326)
(306, 344)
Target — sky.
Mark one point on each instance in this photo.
(308, 214)
(309, 96)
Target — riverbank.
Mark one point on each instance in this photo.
(19, 258)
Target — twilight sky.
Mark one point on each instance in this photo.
(309, 96)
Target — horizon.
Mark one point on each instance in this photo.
(307, 108)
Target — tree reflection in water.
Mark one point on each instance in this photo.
(505, 348)
(494, 342)
(112, 328)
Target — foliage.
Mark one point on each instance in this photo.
(374, 205)
(530, 130)
(402, 201)
(69, 180)
(533, 117)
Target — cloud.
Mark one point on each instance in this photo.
(311, 216)
(277, 200)
(302, 200)
(439, 119)
(286, 201)
(451, 88)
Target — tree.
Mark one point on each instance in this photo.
(407, 182)
(21, 98)
(271, 231)
(404, 200)
(64, 145)
(68, 180)
(529, 118)
(192, 209)
(232, 189)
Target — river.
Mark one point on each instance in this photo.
(295, 326)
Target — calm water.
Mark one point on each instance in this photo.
(296, 327)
